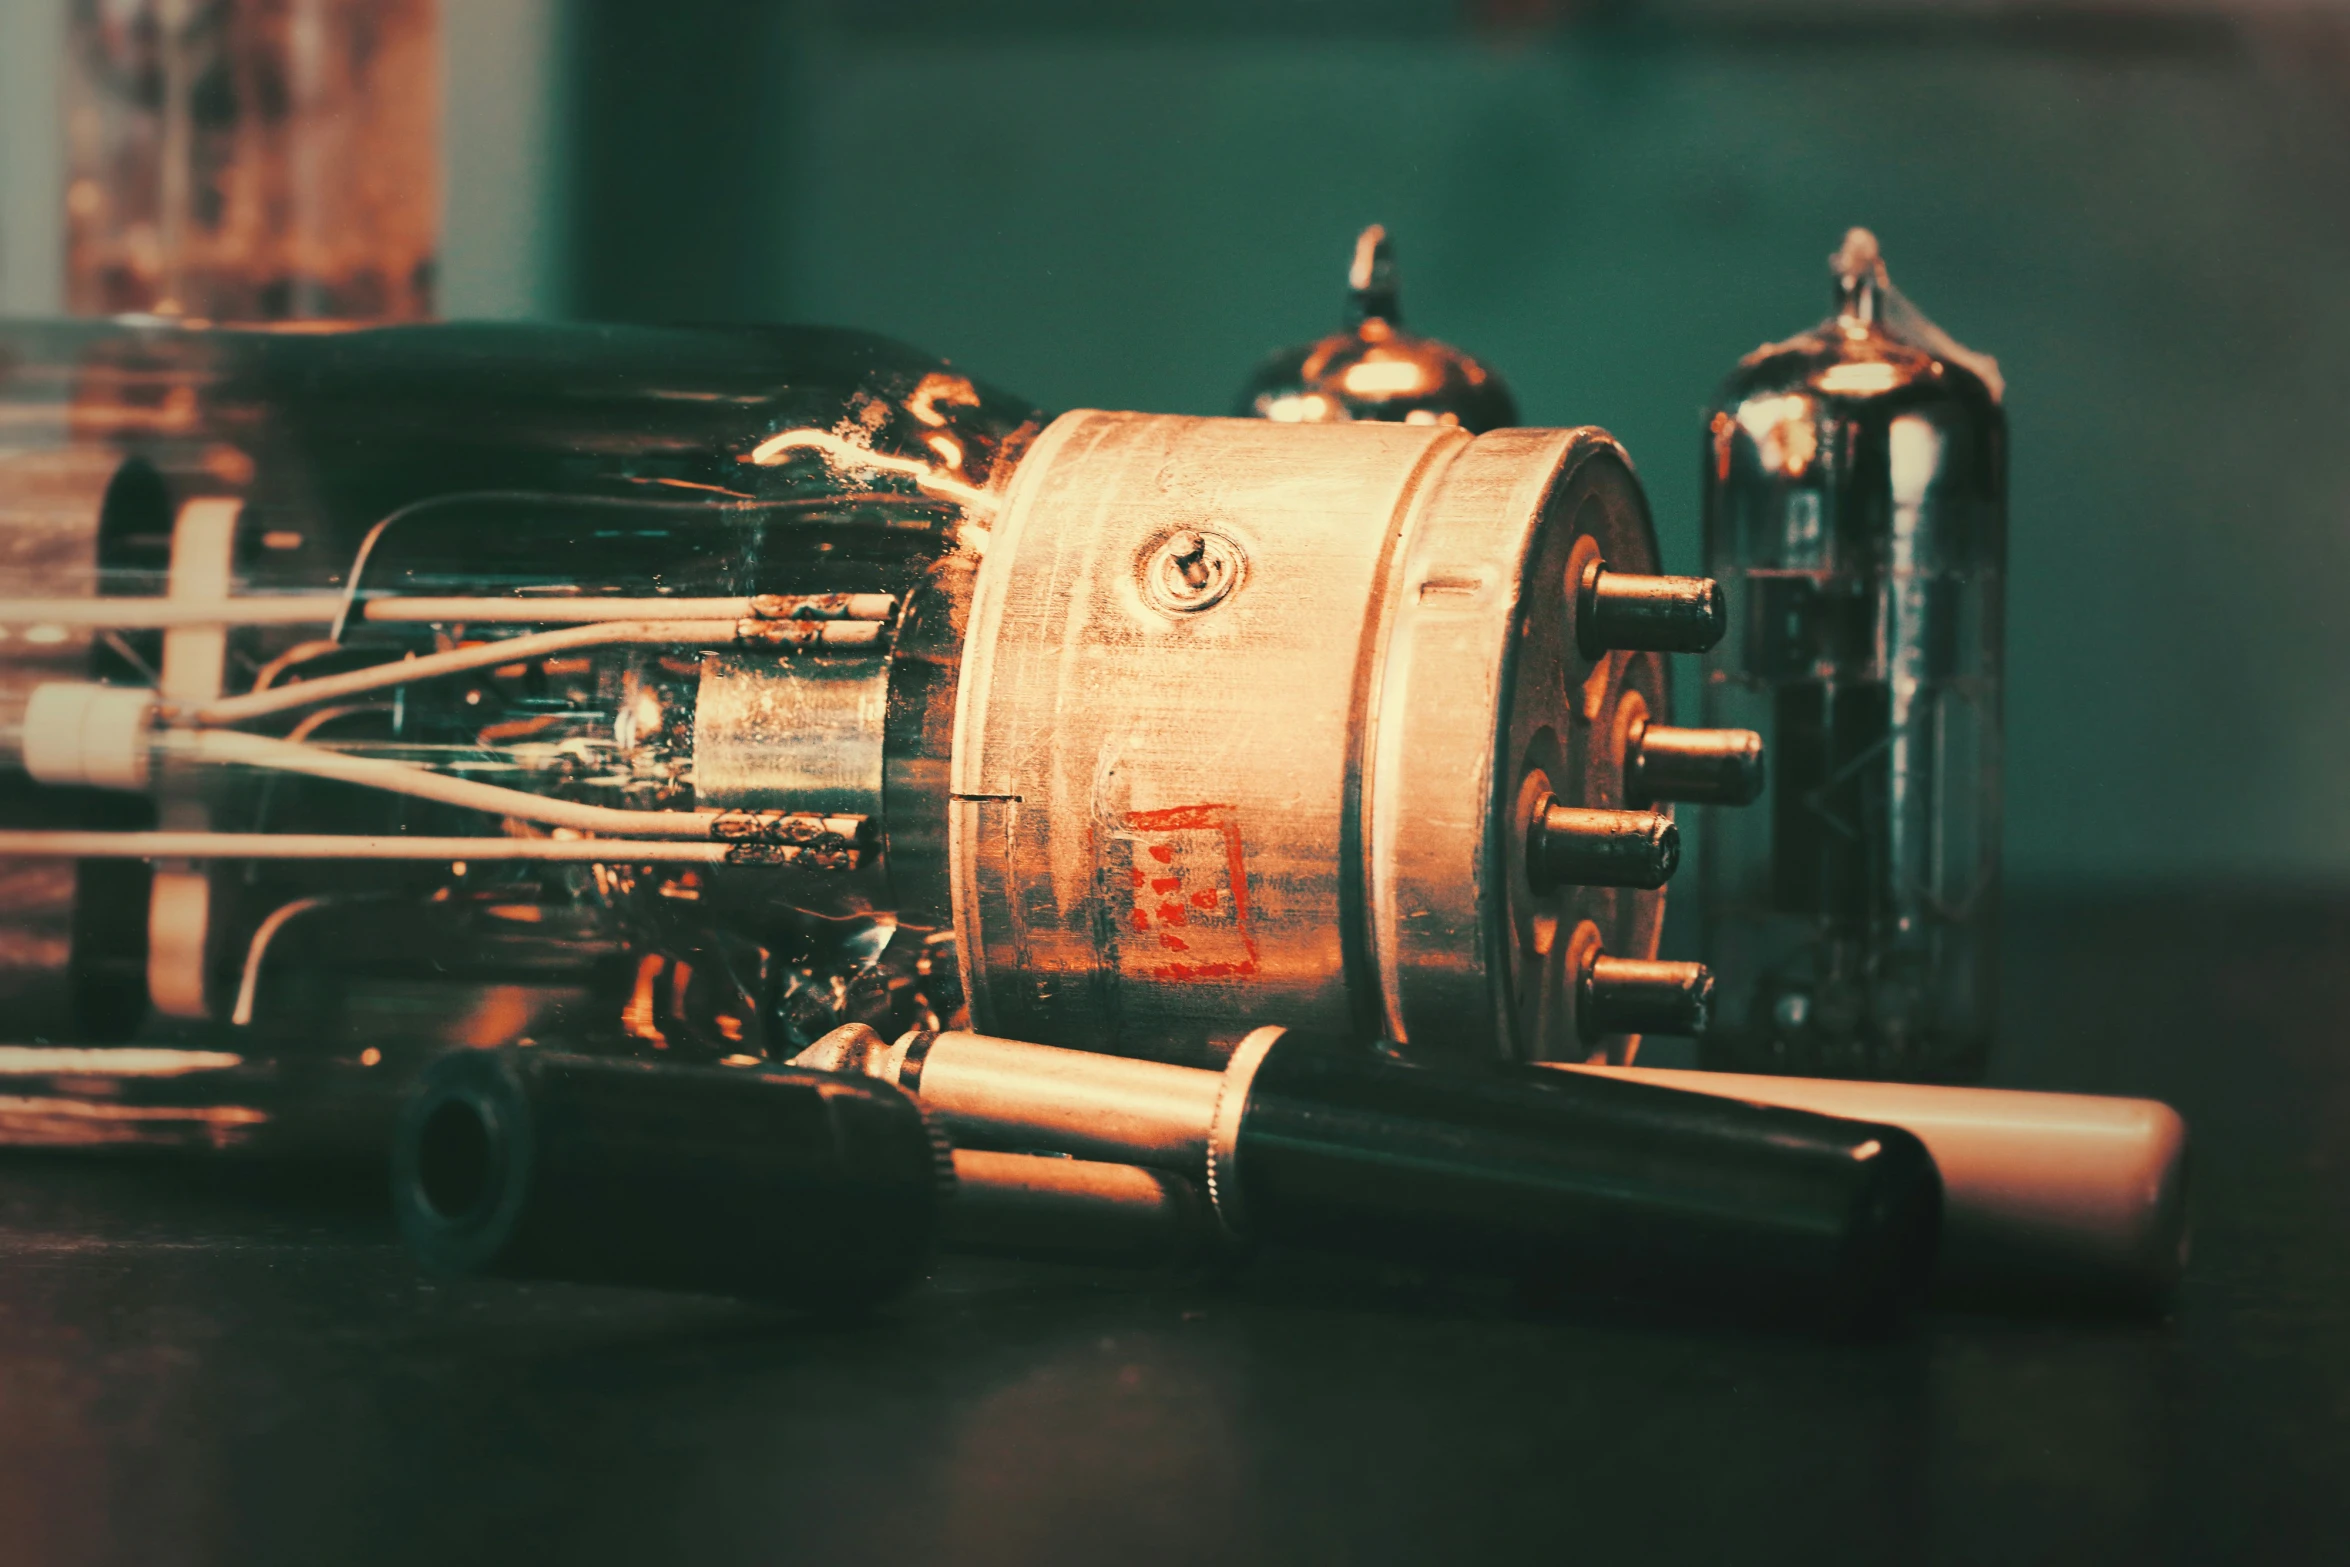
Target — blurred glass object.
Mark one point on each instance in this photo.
(253, 160)
(1856, 511)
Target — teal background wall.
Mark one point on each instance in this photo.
(2142, 207)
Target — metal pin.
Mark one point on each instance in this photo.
(1694, 766)
(1641, 996)
(1616, 609)
(1569, 845)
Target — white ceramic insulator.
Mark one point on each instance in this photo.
(77, 733)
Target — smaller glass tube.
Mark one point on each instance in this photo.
(1855, 511)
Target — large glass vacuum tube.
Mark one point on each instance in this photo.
(1855, 507)
(368, 693)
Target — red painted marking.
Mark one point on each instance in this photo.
(1230, 946)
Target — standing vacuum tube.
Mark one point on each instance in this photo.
(1856, 510)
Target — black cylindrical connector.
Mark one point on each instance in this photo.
(1587, 1181)
(1641, 614)
(1578, 846)
(1693, 766)
(794, 1187)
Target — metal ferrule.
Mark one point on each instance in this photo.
(1070, 1101)
(1112, 1108)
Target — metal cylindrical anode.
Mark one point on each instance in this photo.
(1247, 713)
(803, 734)
(800, 1188)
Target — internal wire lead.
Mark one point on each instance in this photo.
(484, 655)
(86, 845)
(142, 613)
(226, 748)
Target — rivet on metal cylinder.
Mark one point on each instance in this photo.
(1620, 609)
(1692, 766)
(1643, 996)
(1570, 845)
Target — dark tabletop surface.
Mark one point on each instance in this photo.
(209, 1364)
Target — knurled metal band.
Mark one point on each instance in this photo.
(1240, 1073)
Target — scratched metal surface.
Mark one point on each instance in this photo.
(228, 1368)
